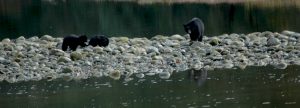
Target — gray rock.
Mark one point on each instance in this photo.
(151, 49)
(76, 56)
(67, 70)
(64, 59)
(272, 41)
(280, 65)
(266, 34)
(57, 52)
(214, 41)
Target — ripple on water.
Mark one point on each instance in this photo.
(266, 103)
(290, 103)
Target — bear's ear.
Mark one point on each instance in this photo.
(83, 37)
(187, 29)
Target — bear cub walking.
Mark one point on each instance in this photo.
(72, 42)
(195, 28)
(100, 40)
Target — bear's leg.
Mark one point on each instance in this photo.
(200, 38)
(73, 47)
(64, 46)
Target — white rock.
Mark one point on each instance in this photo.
(115, 74)
(177, 37)
(98, 49)
(214, 41)
(6, 41)
(238, 43)
(33, 39)
(97, 74)
(140, 51)
(64, 59)
(164, 75)
(159, 38)
(157, 58)
(289, 33)
(122, 39)
(198, 65)
(140, 75)
(2, 60)
(21, 39)
(47, 38)
(242, 65)
(228, 64)
(138, 41)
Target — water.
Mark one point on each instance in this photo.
(226, 88)
(58, 18)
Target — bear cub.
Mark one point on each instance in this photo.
(72, 42)
(100, 40)
(195, 28)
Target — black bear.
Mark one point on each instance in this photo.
(101, 41)
(195, 28)
(72, 41)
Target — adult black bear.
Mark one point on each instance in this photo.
(195, 28)
(72, 41)
(101, 41)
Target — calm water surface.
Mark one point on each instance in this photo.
(254, 87)
(57, 18)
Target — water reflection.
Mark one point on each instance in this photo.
(31, 17)
(199, 76)
(224, 88)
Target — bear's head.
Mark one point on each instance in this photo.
(83, 40)
(187, 28)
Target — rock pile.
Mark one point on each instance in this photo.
(41, 58)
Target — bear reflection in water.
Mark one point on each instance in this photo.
(199, 76)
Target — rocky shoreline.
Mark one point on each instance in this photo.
(37, 58)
